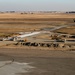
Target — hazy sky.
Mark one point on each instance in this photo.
(37, 5)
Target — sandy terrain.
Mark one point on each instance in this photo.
(16, 22)
(68, 30)
(36, 15)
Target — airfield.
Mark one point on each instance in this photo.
(37, 44)
(47, 28)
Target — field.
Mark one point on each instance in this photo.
(16, 22)
(68, 30)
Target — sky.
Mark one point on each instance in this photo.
(37, 5)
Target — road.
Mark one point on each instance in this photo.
(51, 29)
(58, 27)
(34, 34)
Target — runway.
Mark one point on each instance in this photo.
(36, 62)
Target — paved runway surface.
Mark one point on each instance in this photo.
(44, 62)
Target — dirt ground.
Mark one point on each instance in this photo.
(16, 22)
(68, 30)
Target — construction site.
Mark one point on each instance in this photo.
(37, 43)
(40, 31)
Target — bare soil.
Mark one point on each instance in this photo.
(68, 30)
(16, 22)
